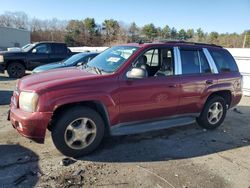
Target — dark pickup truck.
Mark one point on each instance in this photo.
(32, 56)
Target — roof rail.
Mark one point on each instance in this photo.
(186, 42)
(142, 41)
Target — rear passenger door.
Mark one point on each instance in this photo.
(59, 52)
(197, 77)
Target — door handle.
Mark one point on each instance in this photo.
(209, 82)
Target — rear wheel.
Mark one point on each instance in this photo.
(78, 132)
(16, 70)
(213, 113)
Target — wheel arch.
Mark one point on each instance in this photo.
(98, 106)
(16, 61)
(226, 94)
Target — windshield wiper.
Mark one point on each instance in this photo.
(97, 70)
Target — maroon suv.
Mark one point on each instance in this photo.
(127, 89)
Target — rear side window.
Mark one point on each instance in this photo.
(223, 60)
(194, 62)
(60, 49)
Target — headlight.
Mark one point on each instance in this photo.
(1, 58)
(28, 101)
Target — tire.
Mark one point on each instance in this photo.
(82, 124)
(16, 70)
(207, 118)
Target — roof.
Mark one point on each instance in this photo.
(88, 53)
(49, 42)
(175, 43)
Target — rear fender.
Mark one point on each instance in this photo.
(215, 88)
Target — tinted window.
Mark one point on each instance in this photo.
(205, 68)
(74, 59)
(92, 56)
(223, 60)
(60, 49)
(194, 61)
(42, 48)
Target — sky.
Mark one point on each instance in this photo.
(210, 15)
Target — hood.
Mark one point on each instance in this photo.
(48, 67)
(8, 55)
(11, 53)
(54, 78)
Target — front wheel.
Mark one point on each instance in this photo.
(78, 132)
(213, 113)
(16, 70)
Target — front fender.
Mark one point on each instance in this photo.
(110, 102)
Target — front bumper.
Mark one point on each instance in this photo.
(30, 125)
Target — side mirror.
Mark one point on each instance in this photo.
(137, 73)
(80, 63)
(34, 51)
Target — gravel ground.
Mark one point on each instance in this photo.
(186, 156)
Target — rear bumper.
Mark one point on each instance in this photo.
(30, 125)
(236, 97)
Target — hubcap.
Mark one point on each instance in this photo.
(80, 133)
(215, 113)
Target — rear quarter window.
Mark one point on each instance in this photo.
(223, 60)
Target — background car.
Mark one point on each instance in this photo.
(32, 56)
(77, 59)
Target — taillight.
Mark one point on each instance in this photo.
(238, 85)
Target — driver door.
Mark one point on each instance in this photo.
(39, 55)
(150, 97)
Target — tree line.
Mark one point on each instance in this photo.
(87, 32)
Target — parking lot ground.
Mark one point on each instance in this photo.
(186, 156)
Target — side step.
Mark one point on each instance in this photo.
(150, 126)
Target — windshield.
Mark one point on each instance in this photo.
(27, 47)
(74, 59)
(111, 59)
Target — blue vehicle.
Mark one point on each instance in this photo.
(75, 60)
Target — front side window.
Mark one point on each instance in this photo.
(74, 59)
(42, 48)
(194, 62)
(111, 59)
(223, 60)
(152, 57)
(157, 62)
